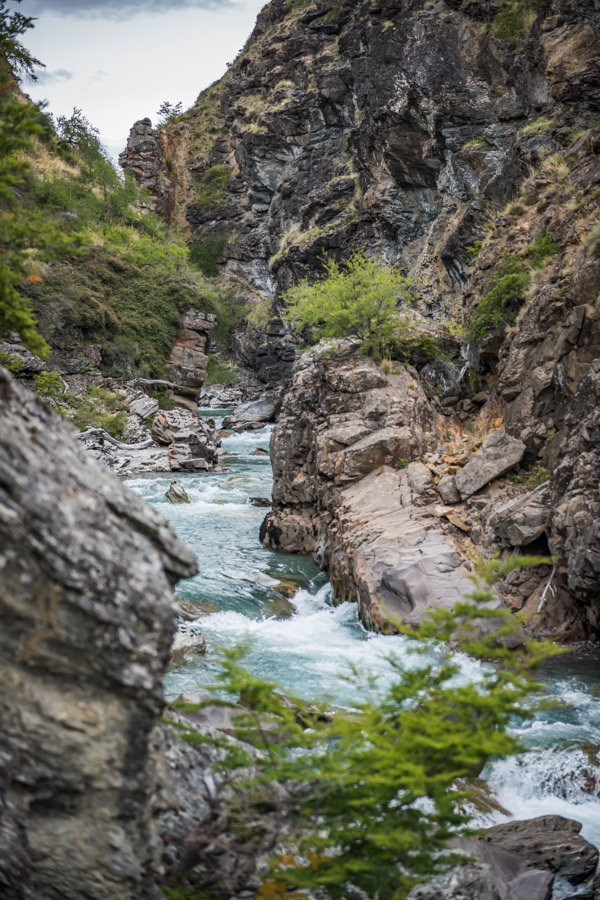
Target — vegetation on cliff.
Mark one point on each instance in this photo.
(360, 298)
(84, 261)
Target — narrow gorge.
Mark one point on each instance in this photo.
(331, 493)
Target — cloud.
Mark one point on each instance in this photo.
(99, 75)
(120, 9)
(55, 77)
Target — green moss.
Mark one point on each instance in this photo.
(210, 196)
(539, 125)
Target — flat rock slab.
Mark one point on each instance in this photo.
(498, 454)
(403, 564)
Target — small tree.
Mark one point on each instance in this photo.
(360, 298)
(372, 795)
(167, 111)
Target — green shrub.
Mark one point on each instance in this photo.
(361, 298)
(211, 191)
(11, 362)
(219, 372)
(207, 254)
(541, 250)
(505, 294)
(514, 19)
(48, 385)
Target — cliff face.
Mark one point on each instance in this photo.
(399, 127)
(86, 575)
(460, 140)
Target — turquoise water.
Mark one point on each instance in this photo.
(305, 643)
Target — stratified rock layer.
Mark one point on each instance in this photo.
(87, 618)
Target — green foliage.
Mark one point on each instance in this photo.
(48, 385)
(361, 298)
(96, 408)
(210, 196)
(219, 372)
(539, 125)
(503, 299)
(531, 478)
(541, 250)
(292, 6)
(167, 112)
(206, 255)
(507, 288)
(514, 19)
(260, 313)
(16, 60)
(11, 362)
(377, 791)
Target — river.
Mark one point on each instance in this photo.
(305, 643)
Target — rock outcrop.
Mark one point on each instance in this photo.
(349, 487)
(86, 575)
(186, 366)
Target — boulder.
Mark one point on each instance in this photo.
(548, 842)
(177, 493)
(383, 447)
(188, 642)
(87, 617)
(447, 489)
(192, 441)
(143, 406)
(522, 520)
(498, 454)
(252, 414)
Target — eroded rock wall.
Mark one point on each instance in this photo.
(402, 128)
(87, 618)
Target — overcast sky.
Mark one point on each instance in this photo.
(117, 60)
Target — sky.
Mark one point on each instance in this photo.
(118, 60)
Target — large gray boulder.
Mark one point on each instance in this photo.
(522, 520)
(548, 842)
(86, 621)
(498, 454)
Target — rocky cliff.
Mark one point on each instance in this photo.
(87, 612)
(405, 128)
(461, 141)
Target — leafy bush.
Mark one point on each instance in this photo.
(207, 255)
(503, 299)
(374, 793)
(541, 250)
(361, 298)
(514, 19)
(48, 385)
(219, 372)
(211, 191)
(11, 362)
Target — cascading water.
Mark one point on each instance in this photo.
(305, 643)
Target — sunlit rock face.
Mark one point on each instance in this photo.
(87, 617)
